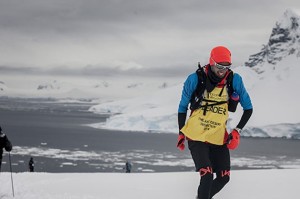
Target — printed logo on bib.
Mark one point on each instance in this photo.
(215, 109)
(208, 123)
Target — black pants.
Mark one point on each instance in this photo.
(209, 159)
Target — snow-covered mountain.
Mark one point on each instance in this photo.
(274, 93)
(102, 88)
(284, 41)
(54, 85)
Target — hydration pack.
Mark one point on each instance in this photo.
(197, 96)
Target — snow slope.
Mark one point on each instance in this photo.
(273, 87)
(80, 87)
(246, 184)
(274, 97)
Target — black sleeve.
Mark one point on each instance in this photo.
(181, 120)
(245, 117)
(8, 145)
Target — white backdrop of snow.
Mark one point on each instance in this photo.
(274, 96)
(244, 184)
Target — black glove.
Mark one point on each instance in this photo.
(8, 146)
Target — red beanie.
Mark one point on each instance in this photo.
(219, 54)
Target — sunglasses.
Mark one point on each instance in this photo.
(220, 66)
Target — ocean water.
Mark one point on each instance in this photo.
(56, 135)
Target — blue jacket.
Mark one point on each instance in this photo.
(191, 83)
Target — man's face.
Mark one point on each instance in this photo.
(220, 68)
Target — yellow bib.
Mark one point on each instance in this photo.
(208, 124)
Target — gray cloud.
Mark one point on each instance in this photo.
(101, 71)
(102, 37)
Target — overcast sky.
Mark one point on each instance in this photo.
(101, 37)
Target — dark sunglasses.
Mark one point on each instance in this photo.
(220, 66)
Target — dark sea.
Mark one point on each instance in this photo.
(58, 137)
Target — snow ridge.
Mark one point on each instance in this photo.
(284, 41)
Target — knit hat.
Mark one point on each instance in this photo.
(219, 54)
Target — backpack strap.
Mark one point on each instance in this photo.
(214, 103)
(197, 96)
(229, 83)
(227, 80)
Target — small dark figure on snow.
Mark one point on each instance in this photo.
(128, 167)
(31, 165)
(4, 143)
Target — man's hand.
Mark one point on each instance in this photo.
(180, 142)
(233, 139)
